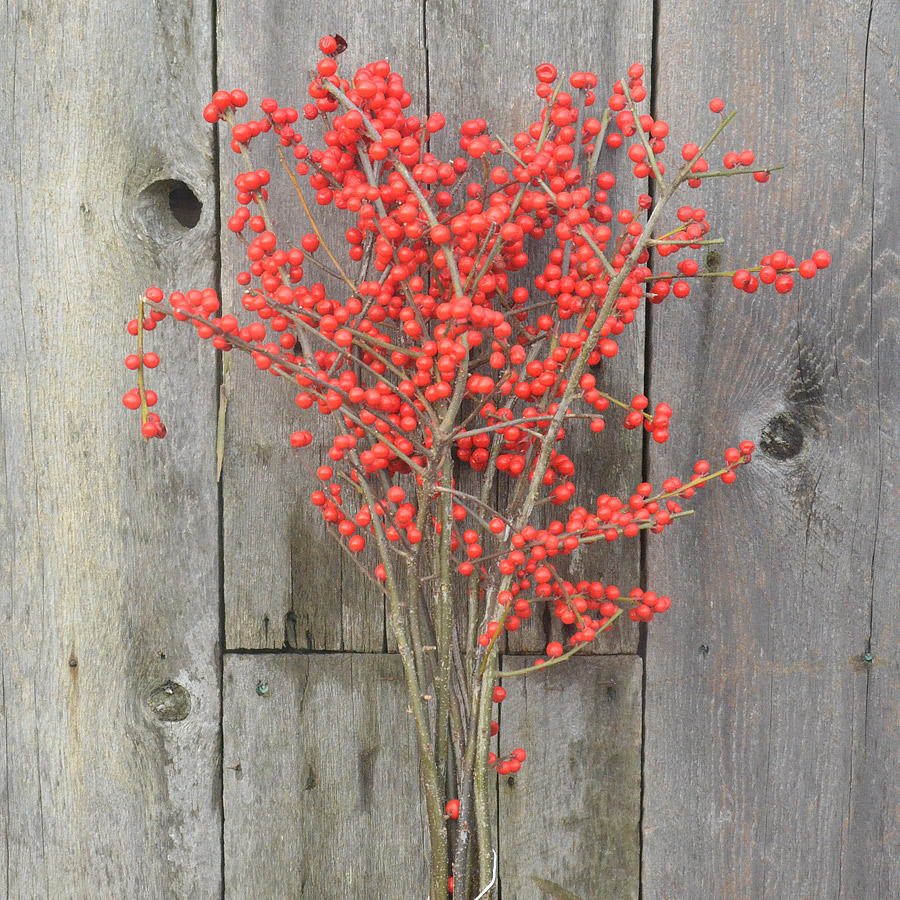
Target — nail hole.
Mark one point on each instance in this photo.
(781, 438)
(167, 208)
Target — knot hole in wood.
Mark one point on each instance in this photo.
(167, 208)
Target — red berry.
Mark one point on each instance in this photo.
(326, 67)
(546, 73)
(784, 283)
(741, 279)
(499, 694)
(221, 99)
(132, 400)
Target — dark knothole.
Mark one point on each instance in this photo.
(184, 204)
(167, 208)
(781, 438)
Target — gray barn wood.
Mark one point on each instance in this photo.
(303, 592)
(481, 65)
(109, 687)
(320, 778)
(772, 688)
(769, 710)
(571, 815)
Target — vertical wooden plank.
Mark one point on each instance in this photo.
(109, 694)
(766, 773)
(571, 816)
(287, 582)
(870, 853)
(321, 785)
(478, 68)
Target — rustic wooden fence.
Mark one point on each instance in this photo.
(197, 697)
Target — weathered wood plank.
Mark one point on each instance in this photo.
(571, 816)
(766, 761)
(321, 786)
(109, 695)
(870, 857)
(287, 582)
(478, 69)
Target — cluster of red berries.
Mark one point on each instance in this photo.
(508, 765)
(140, 397)
(395, 347)
(410, 218)
(778, 268)
(419, 339)
(430, 342)
(535, 576)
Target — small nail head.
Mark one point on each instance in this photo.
(262, 688)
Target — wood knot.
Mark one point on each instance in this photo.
(781, 438)
(170, 702)
(167, 208)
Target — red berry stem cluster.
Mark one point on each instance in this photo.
(140, 397)
(419, 339)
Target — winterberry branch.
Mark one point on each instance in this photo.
(443, 354)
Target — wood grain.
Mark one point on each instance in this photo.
(571, 815)
(321, 784)
(767, 730)
(773, 684)
(870, 854)
(481, 61)
(109, 688)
